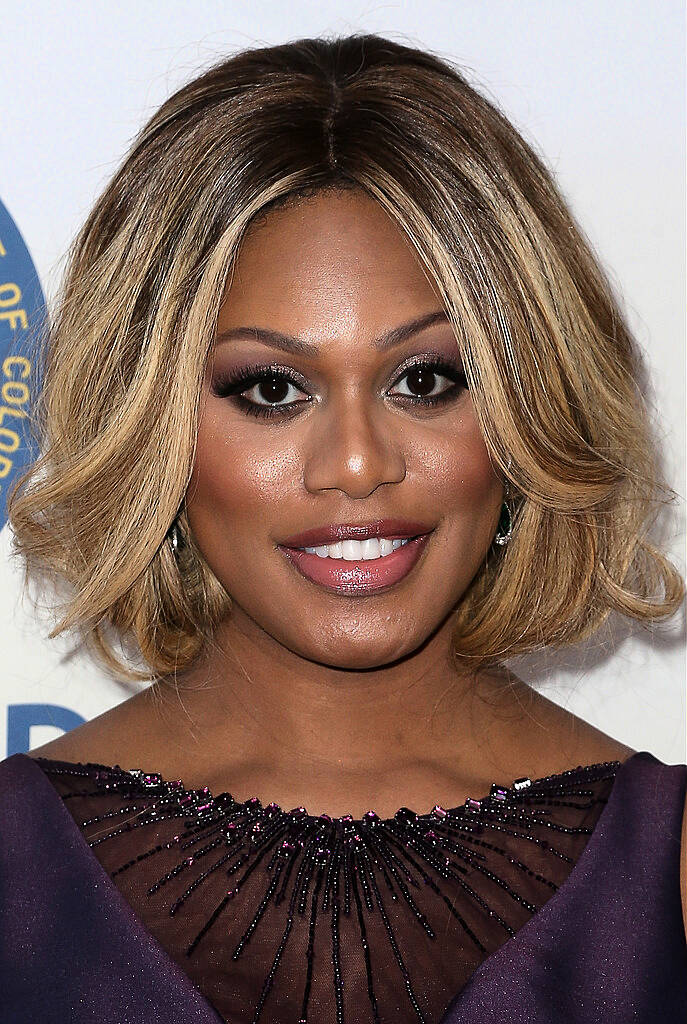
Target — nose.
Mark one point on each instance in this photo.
(354, 449)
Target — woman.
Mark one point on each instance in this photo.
(338, 413)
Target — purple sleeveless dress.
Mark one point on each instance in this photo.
(608, 945)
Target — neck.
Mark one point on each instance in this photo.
(253, 701)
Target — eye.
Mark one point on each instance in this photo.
(425, 376)
(268, 391)
(271, 390)
(262, 391)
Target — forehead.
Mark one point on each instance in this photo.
(325, 264)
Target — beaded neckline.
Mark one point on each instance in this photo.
(334, 914)
(497, 795)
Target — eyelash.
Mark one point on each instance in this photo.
(232, 386)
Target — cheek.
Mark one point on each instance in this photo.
(461, 478)
(236, 481)
(241, 481)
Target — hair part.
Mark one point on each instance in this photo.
(550, 362)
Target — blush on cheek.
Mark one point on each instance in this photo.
(238, 487)
(461, 478)
(461, 468)
(478, 484)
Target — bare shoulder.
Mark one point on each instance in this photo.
(111, 738)
(550, 739)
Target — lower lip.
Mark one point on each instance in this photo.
(357, 577)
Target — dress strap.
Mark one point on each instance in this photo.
(610, 944)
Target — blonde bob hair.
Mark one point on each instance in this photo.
(550, 362)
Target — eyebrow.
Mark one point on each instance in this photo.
(296, 346)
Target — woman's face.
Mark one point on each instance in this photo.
(351, 437)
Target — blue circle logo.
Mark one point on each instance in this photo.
(22, 319)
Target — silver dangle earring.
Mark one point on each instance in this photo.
(504, 531)
(505, 527)
(174, 536)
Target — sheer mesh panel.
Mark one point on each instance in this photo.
(283, 917)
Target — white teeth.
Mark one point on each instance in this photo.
(351, 550)
(358, 550)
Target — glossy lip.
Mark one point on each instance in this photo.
(361, 576)
(393, 529)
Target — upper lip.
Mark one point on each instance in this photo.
(392, 528)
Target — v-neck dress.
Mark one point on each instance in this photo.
(126, 898)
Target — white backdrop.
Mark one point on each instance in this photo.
(596, 86)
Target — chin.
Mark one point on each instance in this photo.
(347, 654)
